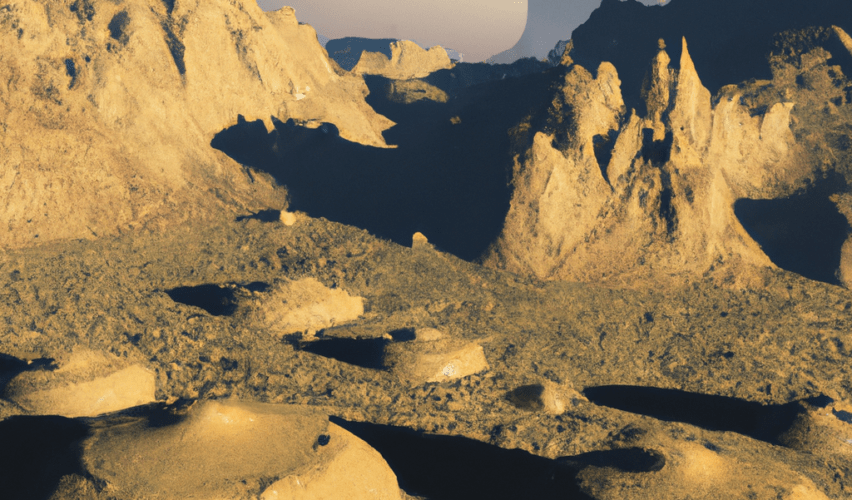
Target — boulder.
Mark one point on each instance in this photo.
(348, 468)
(429, 358)
(229, 448)
(844, 271)
(83, 383)
(698, 470)
(302, 306)
(547, 396)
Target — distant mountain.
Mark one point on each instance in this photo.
(347, 51)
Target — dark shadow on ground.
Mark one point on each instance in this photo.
(262, 216)
(728, 40)
(35, 452)
(711, 412)
(452, 467)
(218, 300)
(802, 233)
(11, 366)
(449, 181)
(367, 353)
(625, 460)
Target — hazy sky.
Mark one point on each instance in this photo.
(476, 28)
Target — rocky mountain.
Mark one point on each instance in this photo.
(388, 57)
(652, 198)
(407, 60)
(610, 194)
(107, 110)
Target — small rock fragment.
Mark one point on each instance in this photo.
(418, 240)
(288, 218)
(85, 384)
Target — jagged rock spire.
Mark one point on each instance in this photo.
(691, 114)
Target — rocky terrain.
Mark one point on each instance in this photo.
(622, 273)
(107, 110)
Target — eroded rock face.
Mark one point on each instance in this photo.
(607, 196)
(107, 110)
(408, 60)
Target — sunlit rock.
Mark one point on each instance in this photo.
(302, 306)
(84, 384)
(408, 60)
(347, 468)
(422, 361)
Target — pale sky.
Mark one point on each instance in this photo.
(476, 28)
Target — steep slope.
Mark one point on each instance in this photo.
(605, 194)
(107, 110)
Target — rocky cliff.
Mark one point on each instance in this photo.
(607, 194)
(107, 110)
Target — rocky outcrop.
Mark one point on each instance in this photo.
(107, 110)
(608, 196)
(408, 60)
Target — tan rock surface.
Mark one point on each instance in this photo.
(419, 361)
(788, 336)
(107, 110)
(348, 468)
(714, 391)
(305, 306)
(207, 455)
(408, 60)
(83, 384)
